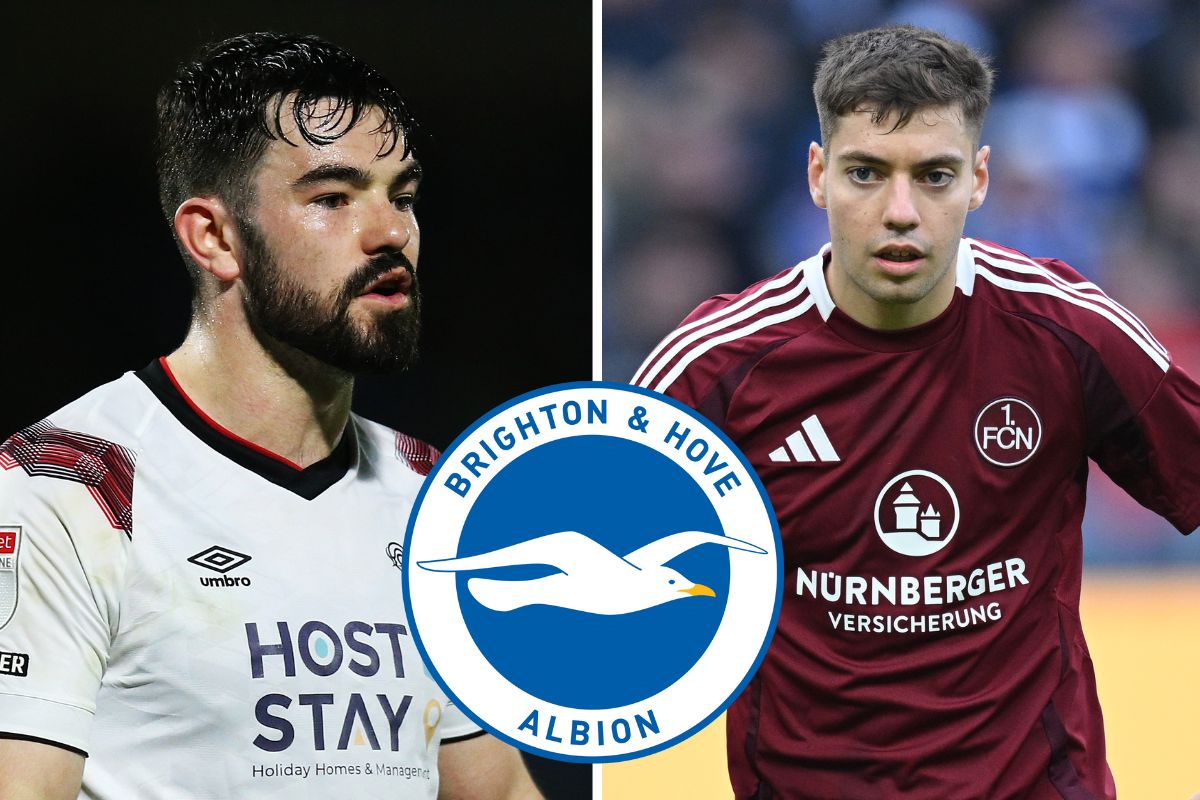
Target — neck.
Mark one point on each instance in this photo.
(880, 314)
(264, 391)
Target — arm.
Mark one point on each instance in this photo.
(36, 771)
(483, 768)
(1142, 411)
(65, 561)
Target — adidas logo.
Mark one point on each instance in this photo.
(800, 446)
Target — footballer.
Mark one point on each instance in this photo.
(198, 584)
(921, 408)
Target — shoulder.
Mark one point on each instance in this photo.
(379, 442)
(726, 331)
(1050, 293)
(87, 449)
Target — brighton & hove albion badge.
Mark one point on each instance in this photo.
(592, 572)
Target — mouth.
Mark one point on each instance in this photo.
(899, 259)
(391, 288)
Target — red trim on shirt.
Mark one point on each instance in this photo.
(218, 427)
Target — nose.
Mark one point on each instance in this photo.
(386, 227)
(900, 213)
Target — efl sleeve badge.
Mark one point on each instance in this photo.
(10, 550)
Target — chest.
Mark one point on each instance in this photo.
(273, 619)
(979, 438)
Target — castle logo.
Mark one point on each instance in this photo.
(916, 513)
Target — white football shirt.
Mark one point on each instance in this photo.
(203, 619)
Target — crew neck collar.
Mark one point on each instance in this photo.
(892, 341)
(307, 482)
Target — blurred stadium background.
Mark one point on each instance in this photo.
(1095, 136)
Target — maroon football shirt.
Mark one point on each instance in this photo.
(929, 485)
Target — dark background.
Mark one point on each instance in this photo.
(93, 285)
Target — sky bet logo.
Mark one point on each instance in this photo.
(329, 721)
(592, 572)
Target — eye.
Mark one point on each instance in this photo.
(939, 177)
(404, 202)
(330, 200)
(671, 582)
(862, 174)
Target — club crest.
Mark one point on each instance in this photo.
(592, 572)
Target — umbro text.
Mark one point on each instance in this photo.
(224, 580)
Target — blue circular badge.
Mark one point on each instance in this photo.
(592, 572)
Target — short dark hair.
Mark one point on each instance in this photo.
(900, 69)
(219, 113)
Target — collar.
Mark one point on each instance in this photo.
(897, 341)
(307, 482)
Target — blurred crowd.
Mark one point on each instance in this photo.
(1095, 136)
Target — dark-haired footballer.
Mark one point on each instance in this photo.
(196, 592)
(921, 408)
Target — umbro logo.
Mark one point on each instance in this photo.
(806, 445)
(222, 560)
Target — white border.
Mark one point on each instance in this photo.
(597, 195)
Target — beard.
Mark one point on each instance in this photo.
(321, 326)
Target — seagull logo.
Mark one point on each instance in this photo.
(592, 579)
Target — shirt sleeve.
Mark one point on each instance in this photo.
(1155, 455)
(59, 576)
(456, 724)
(670, 369)
(1142, 412)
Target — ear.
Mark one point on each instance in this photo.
(980, 186)
(206, 229)
(816, 174)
